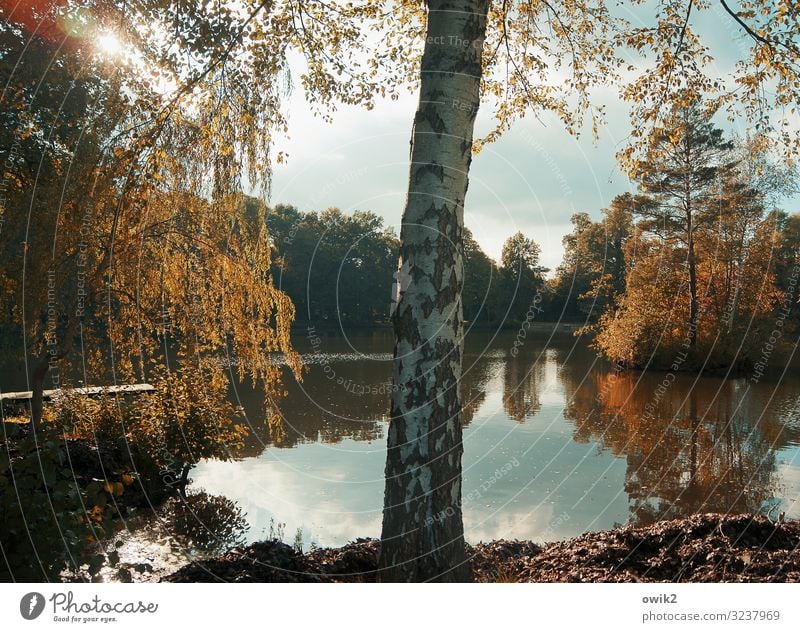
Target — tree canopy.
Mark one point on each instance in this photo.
(700, 268)
(119, 254)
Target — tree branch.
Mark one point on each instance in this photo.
(744, 25)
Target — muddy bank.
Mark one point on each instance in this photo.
(702, 548)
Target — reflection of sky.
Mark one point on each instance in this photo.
(334, 493)
(559, 489)
(550, 487)
(788, 472)
(524, 479)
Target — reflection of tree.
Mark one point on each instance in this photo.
(345, 395)
(523, 376)
(698, 445)
(479, 368)
(319, 409)
(211, 524)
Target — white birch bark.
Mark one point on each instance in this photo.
(423, 533)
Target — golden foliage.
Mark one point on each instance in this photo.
(737, 301)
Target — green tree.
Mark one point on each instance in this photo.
(481, 279)
(735, 214)
(592, 273)
(614, 232)
(521, 276)
(787, 258)
(574, 274)
(337, 268)
(685, 162)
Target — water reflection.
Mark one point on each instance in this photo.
(522, 383)
(556, 443)
(699, 445)
(179, 531)
(345, 392)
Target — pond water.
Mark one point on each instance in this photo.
(556, 442)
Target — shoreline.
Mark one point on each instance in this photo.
(700, 548)
(542, 326)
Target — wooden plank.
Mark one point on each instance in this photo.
(89, 391)
(16, 396)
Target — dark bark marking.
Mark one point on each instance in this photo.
(436, 170)
(430, 115)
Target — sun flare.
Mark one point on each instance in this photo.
(109, 44)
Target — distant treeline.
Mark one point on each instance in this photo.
(337, 266)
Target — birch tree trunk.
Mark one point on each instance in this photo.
(423, 532)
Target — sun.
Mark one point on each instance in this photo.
(109, 44)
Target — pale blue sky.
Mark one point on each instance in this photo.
(533, 179)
